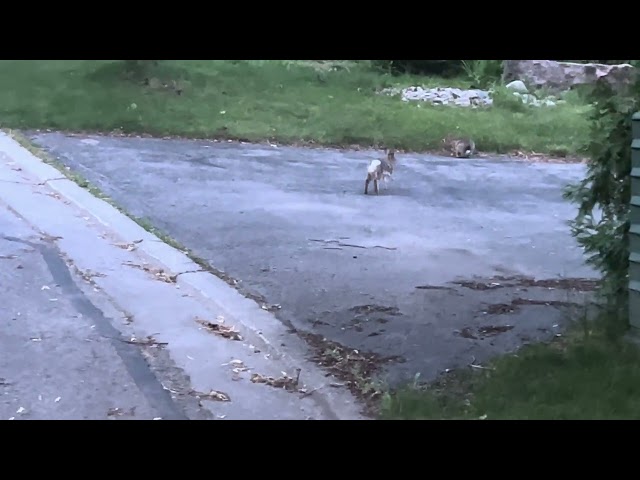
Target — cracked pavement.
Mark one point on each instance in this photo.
(293, 227)
(61, 358)
(92, 328)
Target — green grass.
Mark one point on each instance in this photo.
(282, 101)
(588, 374)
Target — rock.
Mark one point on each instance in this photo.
(560, 76)
(517, 86)
(443, 96)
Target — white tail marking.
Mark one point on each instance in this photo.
(373, 166)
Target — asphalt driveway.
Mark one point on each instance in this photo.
(456, 261)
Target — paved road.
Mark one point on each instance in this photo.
(372, 273)
(61, 357)
(92, 326)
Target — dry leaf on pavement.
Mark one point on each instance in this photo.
(215, 395)
(159, 273)
(286, 382)
(221, 330)
(125, 246)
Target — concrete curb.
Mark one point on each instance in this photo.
(245, 311)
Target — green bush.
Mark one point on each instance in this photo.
(483, 73)
(505, 99)
(480, 72)
(606, 190)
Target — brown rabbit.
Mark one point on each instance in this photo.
(380, 170)
(461, 147)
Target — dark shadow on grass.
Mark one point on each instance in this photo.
(122, 70)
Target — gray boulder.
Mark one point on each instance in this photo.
(560, 76)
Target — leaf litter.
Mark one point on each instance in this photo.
(159, 273)
(128, 245)
(352, 367)
(215, 395)
(219, 329)
(148, 341)
(284, 382)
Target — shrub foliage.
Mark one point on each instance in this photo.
(602, 222)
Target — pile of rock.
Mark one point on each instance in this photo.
(466, 98)
(442, 96)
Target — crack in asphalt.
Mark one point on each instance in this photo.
(146, 381)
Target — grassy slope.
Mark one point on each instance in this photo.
(282, 101)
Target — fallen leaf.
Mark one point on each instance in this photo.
(159, 273)
(125, 246)
(224, 331)
(216, 395)
(149, 341)
(285, 381)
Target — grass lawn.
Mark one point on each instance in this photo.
(587, 374)
(287, 102)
